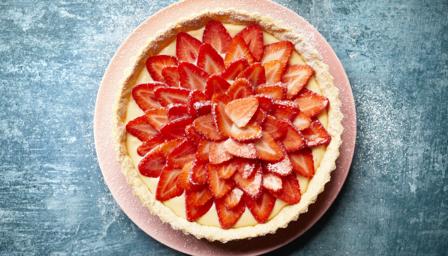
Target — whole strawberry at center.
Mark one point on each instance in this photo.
(228, 121)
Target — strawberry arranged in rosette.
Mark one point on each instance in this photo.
(229, 122)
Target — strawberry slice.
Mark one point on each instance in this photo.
(227, 169)
(282, 168)
(149, 144)
(228, 217)
(311, 103)
(279, 51)
(303, 163)
(171, 76)
(184, 181)
(218, 153)
(285, 110)
(205, 126)
(193, 97)
(171, 95)
(301, 121)
(192, 77)
(261, 208)
(244, 150)
(202, 107)
(143, 95)
(240, 88)
(152, 164)
(217, 36)
(253, 37)
(209, 60)
(222, 121)
(274, 71)
(272, 182)
(167, 187)
(203, 150)
(199, 172)
(255, 74)
(187, 47)
(141, 128)
(191, 134)
(275, 127)
(240, 111)
(238, 50)
(220, 98)
(155, 65)
(247, 169)
(296, 78)
(276, 92)
(290, 193)
(216, 85)
(268, 149)
(219, 187)
(182, 154)
(233, 198)
(316, 135)
(197, 203)
(294, 139)
(260, 116)
(176, 128)
(265, 102)
(234, 69)
(252, 131)
(250, 185)
(176, 111)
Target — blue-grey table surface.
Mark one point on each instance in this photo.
(53, 199)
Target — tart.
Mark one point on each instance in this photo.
(228, 126)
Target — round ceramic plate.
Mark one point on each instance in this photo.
(110, 167)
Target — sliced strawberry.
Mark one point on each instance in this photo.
(155, 65)
(171, 95)
(176, 111)
(193, 97)
(220, 97)
(244, 150)
(238, 50)
(167, 187)
(168, 146)
(252, 131)
(285, 110)
(316, 135)
(311, 103)
(261, 208)
(184, 180)
(219, 187)
(290, 193)
(176, 128)
(191, 134)
(141, 128)
(203, 150)
(253, 37)
(187, 47)
(259, 117)
(199, 172)
(217, 36)
(282, 168)
(143, 95)
(265, 102)
(182, 154)
(296, 78)
(301, 121)
(192, 77)
(198, 197)
(209, 60)
(228, 217)
(222, 121)
(233, 198)
(272, 182)
(268, 149)
(276, 92)
(205, 126)
(218, 153)
(274, 71)
(255, 74)
(234, 69)
(171, 75)
(216, 84)
(240, 88)
(250, 185)
(240, 111)
(294, 139)
(202, 107)
(149, 144)
(302, 162)
(247, 169)
(279, 51)
(227, 169)
(275, 127)
(194, 211)
(152, 164)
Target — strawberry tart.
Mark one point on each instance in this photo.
(228, 126)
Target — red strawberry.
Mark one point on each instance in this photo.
(238, 50)
(141, 128)
(240, 111)
(191, 134)
(233, 198)
(182, 154)
(316, 135)
(247, 169)
(202, 107)
(155, 65)
(199, 172)
(192, 77)
(203, 150)
(218, 153)
(216, 84)
(149, 144)
(301, 121)
(240, 88)
(303, 163)
(143, 95)
(171, 95)
(192, 198)
(296, 78)
(272, 182)
(282, 168)
(268, 149)
(294, 139)
(261, 208)
(253, 36)
(228, 217)
(217, 36)
(219, 187)
(184, 180)
(175, 128)
(285, 110)
(290, 193)
(220, 98)
(222, 121)
(311, 103)
(276, 91)
(255, 74)
(265, 102)
(260, 116)
(280, 51)
(171, 76)
(274, 71)
(193, 97)
(275, 127)
(187, 47)
(168, 146)
(176, 111)
(227, 169)
(167, 187)
(234, 69)
(244, 150)
(250, 132)
(209, 60)
(152, 164)
(205, 126)
(250, 185)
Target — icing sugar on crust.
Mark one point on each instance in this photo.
(317, 184)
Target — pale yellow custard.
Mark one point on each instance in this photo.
(177, 204)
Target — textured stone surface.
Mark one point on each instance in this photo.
(52, 196)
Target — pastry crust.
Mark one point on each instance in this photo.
(317, 183)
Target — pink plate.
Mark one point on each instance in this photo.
(105, 143)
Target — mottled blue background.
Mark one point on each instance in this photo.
(53, 199)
